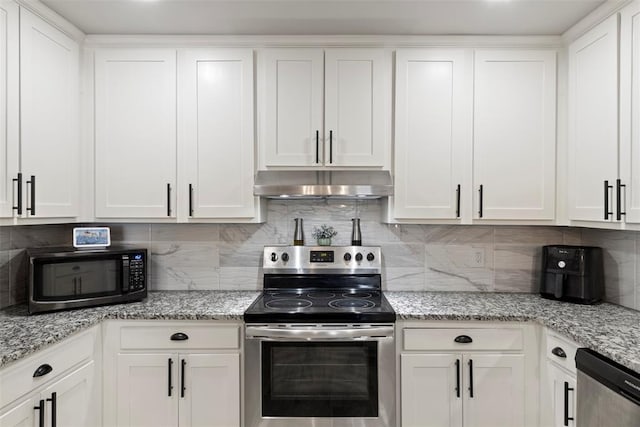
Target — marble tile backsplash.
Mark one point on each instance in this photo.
(415, 257)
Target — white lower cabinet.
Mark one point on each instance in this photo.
(60, 386)
(172, 374)
(447, 389)
(69, 401)
(558, 391)
(467, 376)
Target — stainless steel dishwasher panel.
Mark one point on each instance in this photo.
(608, 394)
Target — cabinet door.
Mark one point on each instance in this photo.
(562, 389)
(216, 133)
(515, 134)
(22, 414)
(212, 390)
(135, 133)
(593, 120)
(9, 105)
(433, 132)
(49, 119)
(629, 105)
(431, 390)
(357, 112)
(147, 390)
(494, 390)
(77, 403)
(291, 123)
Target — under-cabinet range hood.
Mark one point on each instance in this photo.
(320, 184)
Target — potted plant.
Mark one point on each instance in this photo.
(324, 234)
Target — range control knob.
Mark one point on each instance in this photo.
(274, 257)
(370, 257)
(347, 257)
(285, 257)
(562, 264)
(358, 256)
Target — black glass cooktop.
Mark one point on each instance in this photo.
(320, 305)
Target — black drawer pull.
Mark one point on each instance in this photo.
(179, 336)
(558, 351)
(42, 370)
(463, 339)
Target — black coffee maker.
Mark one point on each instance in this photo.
(572, 273)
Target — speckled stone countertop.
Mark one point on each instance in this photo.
(609, 329)
(21, 334)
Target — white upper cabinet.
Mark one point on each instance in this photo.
(593, 122)
(49, 118)
(324, 108)
(629, 117)
(292, 107)
(514, 134)
(216, 133)
(432, 133)
(135, 133)
(357, 117)
(9, 106)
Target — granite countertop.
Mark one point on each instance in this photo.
(609, 329)
(21, 334)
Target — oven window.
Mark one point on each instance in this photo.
(75, 280)
(320, 379)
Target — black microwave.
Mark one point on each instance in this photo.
(61, 279)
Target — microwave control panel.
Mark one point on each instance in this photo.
(133, 269)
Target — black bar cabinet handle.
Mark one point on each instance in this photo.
(179, 336)
(567, 389)
(457, 377)
(606, 199)
(330, 146)
(18, 207)
(619, 187)
(42, 370)
(317, 146)
(40, 408)
(458, 201)
(471, 378)
(182, 387)
(463, 339)
(558, 351)
(170, 366)
(54, 408)
(190, 199)
(168, 199)
(32, 183)
(481, 191)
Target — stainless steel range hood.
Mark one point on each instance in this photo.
(320, 184)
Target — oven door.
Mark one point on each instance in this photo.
(317, 375)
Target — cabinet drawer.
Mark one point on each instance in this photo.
(445, 339)
(160, 337)
(557, 344)
(19, 380)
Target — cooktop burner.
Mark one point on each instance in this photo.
(287, 303)
(350, 303)
(321, 284)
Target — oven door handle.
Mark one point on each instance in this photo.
(317, 333)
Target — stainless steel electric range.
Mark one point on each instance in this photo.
(319, 341)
